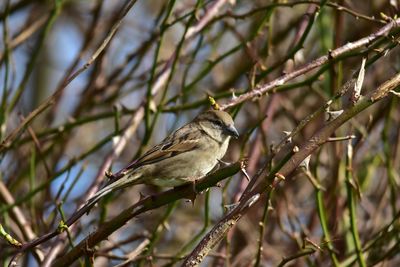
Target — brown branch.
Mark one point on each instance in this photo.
(263, 89)
(211, 13)
(317, 140)
(29, 29)
(146, 204)
(51, 99)
(19, 217)
(133, 124)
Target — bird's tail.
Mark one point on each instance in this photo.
(123, 181)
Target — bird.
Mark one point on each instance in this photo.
(186, 155)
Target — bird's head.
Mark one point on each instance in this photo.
(218, 124)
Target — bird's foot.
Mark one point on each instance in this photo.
(192, 191)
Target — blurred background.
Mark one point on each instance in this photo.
(150, 72)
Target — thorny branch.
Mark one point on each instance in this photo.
(142, 76)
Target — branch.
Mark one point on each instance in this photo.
(263, 89)
(146, 204)
(317, 140)
(51, 99)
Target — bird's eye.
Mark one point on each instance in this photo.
(218, 123)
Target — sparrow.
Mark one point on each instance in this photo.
(186, 155)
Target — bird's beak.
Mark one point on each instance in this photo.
(231, 130)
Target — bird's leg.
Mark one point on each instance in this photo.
(193, 194)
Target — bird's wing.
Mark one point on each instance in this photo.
(165, 151)
(181, 141)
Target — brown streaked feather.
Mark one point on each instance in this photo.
(168, 148)
(166, 151)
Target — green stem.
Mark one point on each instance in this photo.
(54, 14)
(153, 71)
(262, 224)
(324, 226)
(351, 203)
